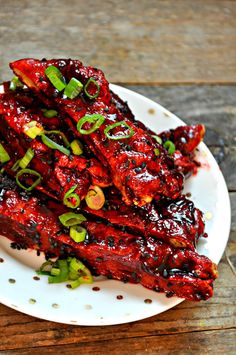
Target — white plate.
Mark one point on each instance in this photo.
(84, 306)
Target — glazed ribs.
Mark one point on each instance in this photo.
(135, 169)
(146, 232)
(108, 251)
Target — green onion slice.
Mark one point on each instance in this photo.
(93, 82)
(50, 113)
(95, 198)
(70, 219)
(156, 151)
(70, 269)
(55, 271)
(63, 275)
(15, 83)
(170, 147)
(56, 77)
(78, 233)
(33, 129)
(71, 195)
(118, 124)
(74, 88)
(157, 138)
(76, 147)
(53, 145)
(76, 265)
(4, 156)
(16, 165)
(28, 172)
(24, 162)
(96, 119)
(60, 134)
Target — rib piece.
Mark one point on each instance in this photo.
(186, 138)
(106, 250)
(176, 222)
(59, 172)
(136, 171)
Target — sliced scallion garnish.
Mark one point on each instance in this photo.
(71, 270)
(56, 77)
(70, 219)
(170, 147)
(4, 156)
(15, 83)
(118, 124)
(60, 134)
(77, 233)
(24, 162)
(96, 119)
(70, 195)
(95, 198)
(76, 147)
(50, 113)
(33, 129)
(74, 88)
(16, 165)
(157, 138)
(89, 83)
(156, 151)
(53, 145)
(31, 173)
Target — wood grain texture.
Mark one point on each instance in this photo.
(145, 41)
(189, 328)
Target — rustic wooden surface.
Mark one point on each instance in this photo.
(141, 46)
(144, 41)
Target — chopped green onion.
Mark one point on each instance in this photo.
(45, 268)
(86, 87)
(56, 77)
(4, 156)
(76, 147)
(16, 165)
(118, 124)
(50, 113)
(73, 88)
(63, 275)
(77, 233)
(29, 172)
(55, 271)
(96, 119)
(53, 145)
(170, 147)
(87, 279)
(156, 151)
(60, 134)
(70, 269)
(157, 138)
(15, 82)
(71, 219)
(24, 162)
(74, 283)
(95, 198)
(71, 195)
(76, 265)
(33, 129)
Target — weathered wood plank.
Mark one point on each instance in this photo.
(151, 41)
(203, 342)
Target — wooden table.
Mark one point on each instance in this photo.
(182, 55)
